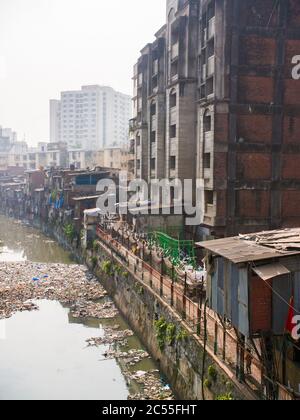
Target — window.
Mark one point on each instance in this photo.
(173, 131)
(172, 163)
(207, 122)
(153, 109)
(138, 140)
(153, 164)
(206, 161)
(173, 99)
(209, 199)
(138, 164)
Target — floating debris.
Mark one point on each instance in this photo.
(87, 309)
(111, 336)
(67, 284)
(131, 358)
(152, 386)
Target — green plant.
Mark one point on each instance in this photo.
(171, 334)
(182, 335)
(165, 333)
(96, 246)
(125, 274)
(225, 397)
(212, 372)
(94, 261)
(139, 289)
(106, 267)
(117, 269)
(69, 231)
(207, 384)
(53, 195)
(161, 328)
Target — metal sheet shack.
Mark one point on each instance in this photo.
(254, 283)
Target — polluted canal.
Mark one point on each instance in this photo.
(61, 336)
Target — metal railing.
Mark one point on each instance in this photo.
(221, 339)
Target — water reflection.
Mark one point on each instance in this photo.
(45, 357)
(22, 243)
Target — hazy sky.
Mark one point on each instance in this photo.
(47, 46)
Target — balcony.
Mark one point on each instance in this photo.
(207, 174)
(154, 123)
(138, 152)
(175, 51)
(140, 80)
(140, 104)
(211, 66)
(173, 116)
(208, 141)
(173, 173)
(173, 147)
(155, 67)
(211, 28)
(204, 72)
(133, 124)
(153, 150)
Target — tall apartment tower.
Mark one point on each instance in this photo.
(217, 98)
(55, 121)
(163, 131)
(91, 118)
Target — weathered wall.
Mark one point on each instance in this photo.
(181, 361)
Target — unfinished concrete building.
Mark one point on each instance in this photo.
(165, 84)
(217, 98)
(249, 114)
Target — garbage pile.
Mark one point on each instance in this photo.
(88, 309)
(111, 336)
(152, 386)
(130, 358)
(20, 283)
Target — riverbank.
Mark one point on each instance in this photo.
(192, 369)
(72, 298)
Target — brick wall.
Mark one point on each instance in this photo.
(254, 166)
(255, 128)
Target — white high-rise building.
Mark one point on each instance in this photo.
(55, 123)
(92, 118)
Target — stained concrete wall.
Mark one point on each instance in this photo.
(181, 362)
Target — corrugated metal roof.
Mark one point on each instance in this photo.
(242, 249)
(92, 197)
(269, 271)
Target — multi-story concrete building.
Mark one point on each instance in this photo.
(217, 98)
(91, 118)
(55, 120)
(111, 157)
(249, 114)
(164, 126)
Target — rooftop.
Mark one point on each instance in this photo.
(257, 246)
(92, 197)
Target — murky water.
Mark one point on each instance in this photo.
(22, 243)
(44, 353)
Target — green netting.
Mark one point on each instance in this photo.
(176, 250)
(176, 232)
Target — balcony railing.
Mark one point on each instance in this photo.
(175, 51)
(211, 28)
(173, 147)
(211, 66)
(155, 67)
(154, 123)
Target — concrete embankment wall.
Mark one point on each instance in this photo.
(170, 341)
(176, 348)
